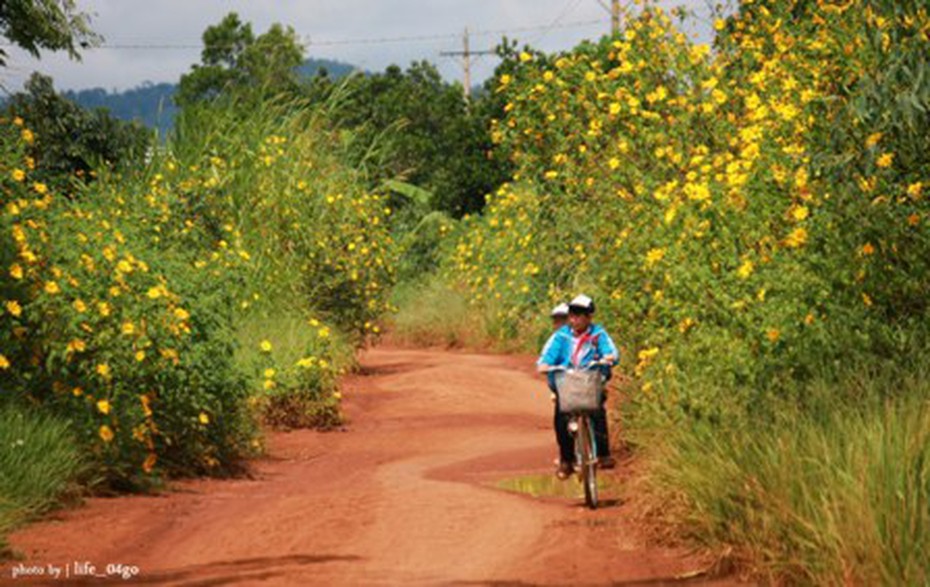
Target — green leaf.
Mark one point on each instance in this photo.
(409, 191)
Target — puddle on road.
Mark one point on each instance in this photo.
(547, 485)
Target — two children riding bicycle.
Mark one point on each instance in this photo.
(578, 344)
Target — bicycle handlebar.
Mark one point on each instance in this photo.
(589, 366)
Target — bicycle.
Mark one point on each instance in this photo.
(581, 392)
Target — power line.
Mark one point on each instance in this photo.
(572, 4)
(357, 41)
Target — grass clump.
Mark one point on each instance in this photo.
(40, 464)
(430, 313)
(837, 494)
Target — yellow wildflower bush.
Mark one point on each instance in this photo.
(715, 203)
(108, 323)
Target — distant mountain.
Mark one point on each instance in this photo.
(152, 104)
(335, 69)
(148, 103)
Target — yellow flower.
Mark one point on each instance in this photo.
(647, 354)
(4, 363)
(149, 462)
(265, 345)
(773, 334)
(76, 346)
(28, 136)
(77, 391)
(106, 434)
(181, 314)
(103, 406)
(801, 177)
(800, 213)
(103, 370)
(866, 299)
(269, 384)
(323, 332)
(52, 288)
(13, 307)
(885, 160)
(306, 362)
(269, 373)
(524, 57)
(204, 418)
(104, 309)
(746, 269)
(154, 293)
(697, 191)
(654, 256)
(79, 306)
(797, 238)
(914, 189)
(18, 175)
(40, 188)
(128, 328)
(146, 405)
(16, 272)
(873, 139)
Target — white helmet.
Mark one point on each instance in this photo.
(582, 304)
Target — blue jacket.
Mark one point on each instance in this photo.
(560, 350)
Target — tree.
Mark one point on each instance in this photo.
(45, 24)
(237, 63)
(70, 141)
(435, 141)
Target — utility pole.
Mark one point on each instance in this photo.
(466, 54)
(614, 17)
(466, 66)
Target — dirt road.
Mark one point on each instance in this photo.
(407, 494)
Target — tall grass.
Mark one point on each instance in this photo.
(431, 313)
(832, 495)
(40, 463)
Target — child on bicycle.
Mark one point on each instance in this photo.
(577, 345)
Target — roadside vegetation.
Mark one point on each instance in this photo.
(751, 219)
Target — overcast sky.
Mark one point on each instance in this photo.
(370, 34)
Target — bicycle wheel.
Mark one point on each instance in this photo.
(588, 462)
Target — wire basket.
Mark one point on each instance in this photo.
(580, 391)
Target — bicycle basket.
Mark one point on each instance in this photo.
(579, 391)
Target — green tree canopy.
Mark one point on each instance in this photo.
(55, 25)
(70, 141)
(436, 141)
(236, 62)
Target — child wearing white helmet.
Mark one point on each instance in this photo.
(578, 344)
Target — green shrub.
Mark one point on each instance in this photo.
(40, 464)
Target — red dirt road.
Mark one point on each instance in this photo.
(405, 495)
